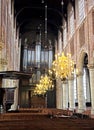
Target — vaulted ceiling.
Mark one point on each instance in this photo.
(27, 10)
(30, 16)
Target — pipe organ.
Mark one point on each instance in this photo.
(37, 58)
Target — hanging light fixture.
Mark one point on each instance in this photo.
(63, 66)
(45, 84)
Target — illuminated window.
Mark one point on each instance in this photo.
(80, 10)
(70, 20)
(65, 34)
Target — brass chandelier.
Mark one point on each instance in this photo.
(44, 85)
(63, 66)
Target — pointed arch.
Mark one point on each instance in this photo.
(81, 60)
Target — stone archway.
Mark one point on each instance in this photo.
(81, 61)
(83, 88)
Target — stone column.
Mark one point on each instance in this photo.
(80, 92)
(71, 93)
(58, 94)
(91, 71)
(65, 94)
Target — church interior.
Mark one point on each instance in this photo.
(46, 64)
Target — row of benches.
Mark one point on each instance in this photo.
(23, 121)
(56, 112)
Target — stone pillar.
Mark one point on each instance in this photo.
(91, 71)
(58, 94)
(80, 92)
(71, 94)
(65, 94)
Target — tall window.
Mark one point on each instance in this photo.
(71, 20)
(9, 7)
(60, 41)
(80, 10)
(65, 34)
(72, 23)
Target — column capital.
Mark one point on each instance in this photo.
(90, 66)
(79, 73)
(64, 81)
(71, 77)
